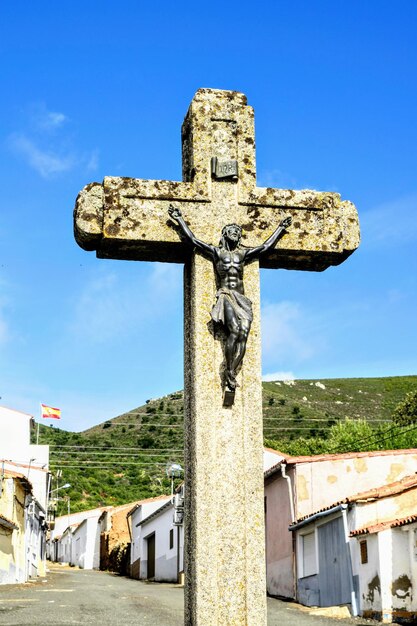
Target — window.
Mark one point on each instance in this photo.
(364, 551)
(308, 554)
(171, 538)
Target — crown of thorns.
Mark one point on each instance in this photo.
(225, 228)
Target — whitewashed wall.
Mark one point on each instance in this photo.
(86, 544)
(30, 460)
(167, 563)
(62, 522)
(64, 547)
(141, 512)
(368, 574)
(271, 458)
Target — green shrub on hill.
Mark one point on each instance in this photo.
(124, 459)
(406, 411)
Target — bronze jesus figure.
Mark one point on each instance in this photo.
(232, 308)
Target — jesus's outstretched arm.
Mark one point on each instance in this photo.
(270, 242)
(176, 215)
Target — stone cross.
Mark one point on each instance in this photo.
(127, 218)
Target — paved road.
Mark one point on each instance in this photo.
(73, 597)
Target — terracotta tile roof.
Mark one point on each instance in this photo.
(32, 467)
(295, 460)
(408, 482)
(156, 513)
(71, 515)
(140, 502)
(277, 452)
(375, 528)
(70, 527)
(384, 491)
(8, 523)
(11, 474)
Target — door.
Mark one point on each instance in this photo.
(334, 564)
(151, 556)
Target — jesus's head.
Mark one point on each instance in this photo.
(231, 234)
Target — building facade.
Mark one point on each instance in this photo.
(299, 486)
(361, 551)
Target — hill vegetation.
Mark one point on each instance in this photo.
(125, 458)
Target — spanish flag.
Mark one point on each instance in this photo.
(48, 412)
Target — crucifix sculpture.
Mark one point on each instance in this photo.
(126, 218)
(233, 310)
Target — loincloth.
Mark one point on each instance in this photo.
(240, 304)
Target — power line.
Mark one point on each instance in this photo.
(88, 448)
(274, 428)
(382, 439)
(81, 455)
(111, 424)
(112, 468)
(141, 414)
(121, 454)
(109, 463)
(326, 419)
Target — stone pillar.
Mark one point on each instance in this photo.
(224, 516)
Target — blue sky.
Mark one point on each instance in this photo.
(94, 89)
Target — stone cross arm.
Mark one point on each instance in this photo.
(127, 218)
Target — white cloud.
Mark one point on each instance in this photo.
(276, 178)
(283, 333)
(51, 120)
(283, 180)
(109, 307)
(273, 376)
(47, 146)
(46, 163)
(42, 120)
(391, 223)
(92, 161)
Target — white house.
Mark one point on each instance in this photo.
(161, 543)
(271, 457)
(35, 537)
(362, 551)
(21, 458)
(139, 512)
(87, 539)
(62, 536)
(86, 544)
(20, 455)
(63, 548)
(157, 543)
(299, 486)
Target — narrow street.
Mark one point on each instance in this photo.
(69, 596)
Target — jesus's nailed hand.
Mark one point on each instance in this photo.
(174, 212)
(286, 222)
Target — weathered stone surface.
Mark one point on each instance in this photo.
(128, 219)
(224, 549)
(132, 221)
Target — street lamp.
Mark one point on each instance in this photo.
(53, 500)
(63, 487)
(173, 470)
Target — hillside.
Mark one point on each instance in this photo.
(124, 459)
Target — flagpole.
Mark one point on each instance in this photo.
(37, 431)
